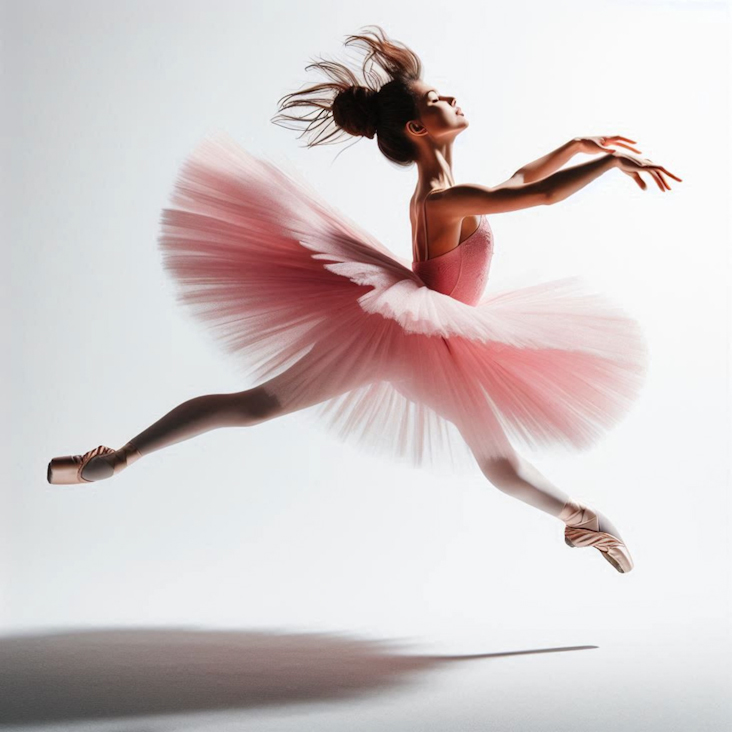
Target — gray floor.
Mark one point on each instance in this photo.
(144, 680)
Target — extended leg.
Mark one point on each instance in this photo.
(280, 395)
(187, 420)
(204, 413)
(585, 526)
(500, 463)
(517, 477)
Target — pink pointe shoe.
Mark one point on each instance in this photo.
(98, 464)
(588, 527)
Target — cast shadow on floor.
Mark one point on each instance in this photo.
(124, 672)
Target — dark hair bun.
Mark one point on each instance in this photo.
(355, 111)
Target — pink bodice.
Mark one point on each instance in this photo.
(462, 272)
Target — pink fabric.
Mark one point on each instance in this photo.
(293, 289)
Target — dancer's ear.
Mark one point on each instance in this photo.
(415, 128)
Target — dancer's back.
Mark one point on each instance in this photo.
(461, 272)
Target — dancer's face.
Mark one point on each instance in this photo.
(439, 115)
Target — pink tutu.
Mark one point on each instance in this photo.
(301, 295)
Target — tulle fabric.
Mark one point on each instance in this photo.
(306, 300)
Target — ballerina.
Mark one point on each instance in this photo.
(406, 357)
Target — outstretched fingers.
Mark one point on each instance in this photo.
(669, 174)
(657, 177)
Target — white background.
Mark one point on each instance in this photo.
(282, 529)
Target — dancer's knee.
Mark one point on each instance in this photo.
(502, 471)
(257, 405)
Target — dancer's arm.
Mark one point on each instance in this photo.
(463, 200)
(554, 160)
(547, 164)
(564, 183)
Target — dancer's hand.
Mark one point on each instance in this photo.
(631, 165)
(594, 145)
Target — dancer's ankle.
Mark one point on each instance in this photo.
(575, 513)
(128, 453)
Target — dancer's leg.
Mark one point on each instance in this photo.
(510, 472)
(203, 413)
(238, 409)
(517, 477)
(192, 417)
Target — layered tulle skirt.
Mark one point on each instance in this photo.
(303, 299)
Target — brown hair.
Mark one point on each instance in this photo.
(379, 106)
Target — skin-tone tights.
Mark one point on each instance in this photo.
(511, 474)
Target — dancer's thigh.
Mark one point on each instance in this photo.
(319, 376)
(315, 378)
(474, 418)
